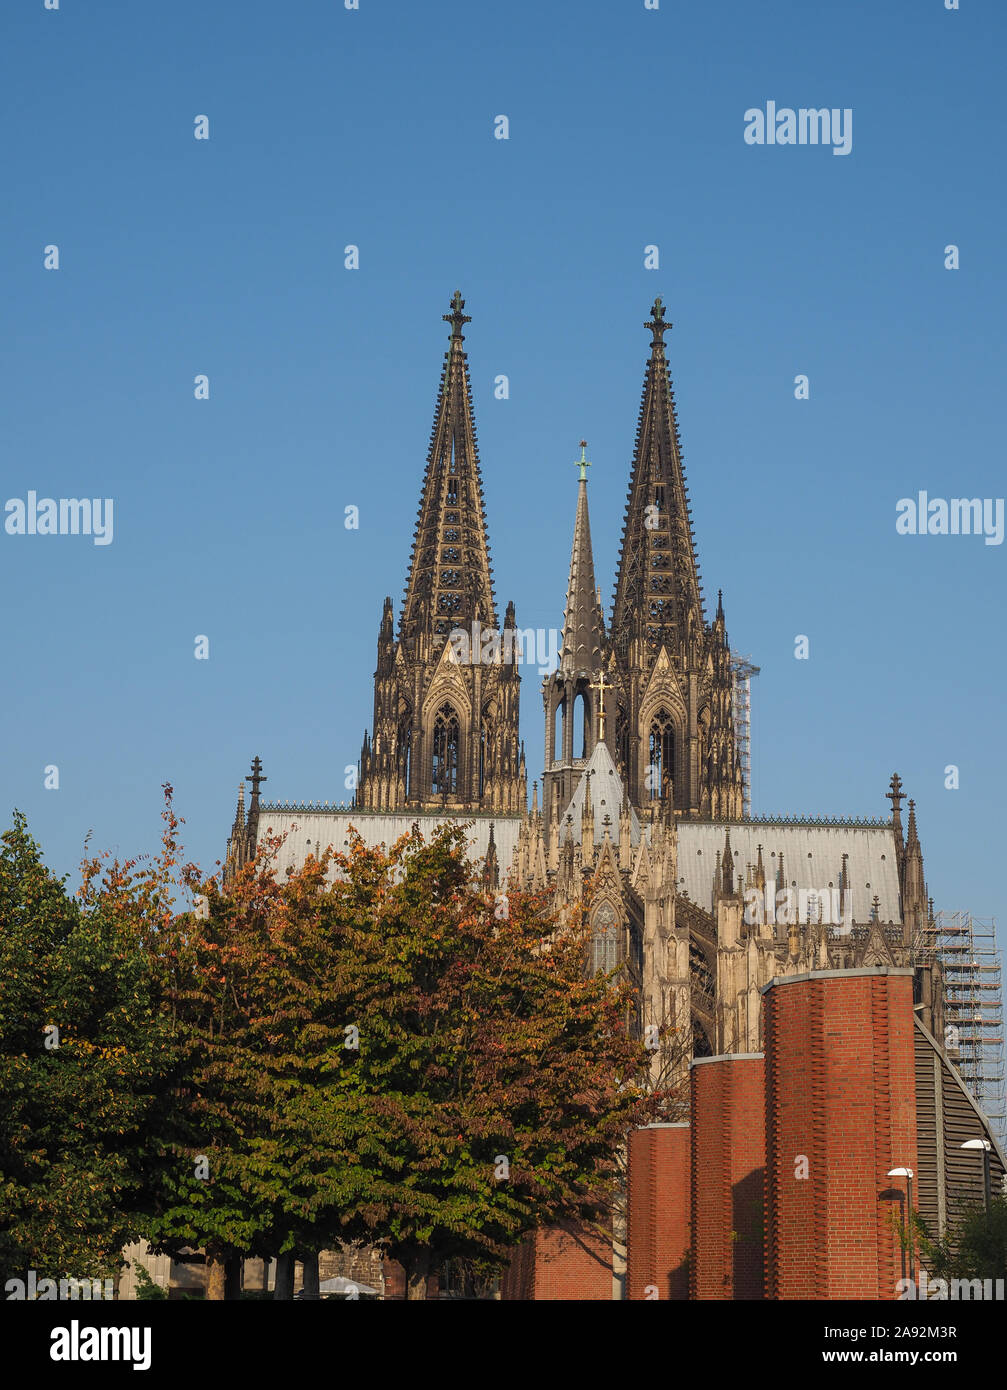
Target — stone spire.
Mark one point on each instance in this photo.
(447, 689)
(657, 535)
(583, 624)
(914, 888)
(450, 578)
(256, 778)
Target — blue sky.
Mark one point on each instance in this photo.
(375, 127)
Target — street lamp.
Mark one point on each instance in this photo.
(984, 1145)
(907, 1173)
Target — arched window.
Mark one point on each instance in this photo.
(580, 726)
(444, 780)
(604, 939)
(661, 755)
(405, 751)
(484, 745)
(556, 752)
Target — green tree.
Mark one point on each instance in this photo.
(85, 1058)
(392, 1058)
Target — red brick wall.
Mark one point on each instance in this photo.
(395, 1282)
(568, 1265)
(840, 1091)
(658, 1210)
(728, 1176)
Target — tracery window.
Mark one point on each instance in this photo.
(604, 939)
(444, 780)
(661, 755)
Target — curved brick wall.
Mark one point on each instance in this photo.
(840, 1104)
(657, 1233)
(728, 1163)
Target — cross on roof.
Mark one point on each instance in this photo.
(601, 687)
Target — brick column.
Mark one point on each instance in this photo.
(841, 1111)
(658, 1212)
(728, 1176)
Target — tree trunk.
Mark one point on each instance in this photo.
(310, 1265)
(284, 1285)
(216, 1277)
(232, 1277)
(417, 1273)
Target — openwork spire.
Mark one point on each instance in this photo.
(450, 583)
(658, 580)
(583, 624)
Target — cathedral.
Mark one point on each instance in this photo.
(643, 799)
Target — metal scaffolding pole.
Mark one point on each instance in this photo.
(742, 672)
(973, 1006)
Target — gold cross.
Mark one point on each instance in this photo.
(601, 687)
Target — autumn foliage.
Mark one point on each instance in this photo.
(369, 1048)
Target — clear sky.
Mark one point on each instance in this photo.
(376, 127)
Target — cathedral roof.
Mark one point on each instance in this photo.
(606, 798)
(813, 858)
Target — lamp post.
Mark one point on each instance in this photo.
(907, 1173)
(984, 1146)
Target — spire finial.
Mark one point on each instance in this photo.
(583, 463)
(255, 776)
(457, 318)
(657, 325)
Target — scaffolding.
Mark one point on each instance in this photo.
(742, 672)
(973, 1006)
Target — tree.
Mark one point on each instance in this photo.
(85, 1058)
(494, 1080)
(391, 1058)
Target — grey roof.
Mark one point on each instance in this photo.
(812, 858)
(312, 831)
(606, 800)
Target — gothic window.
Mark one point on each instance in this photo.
(483, 758)
(661, 755)
(452, 517)
(405, 751)
(604, 939)
(660, 608)
(449, 603)
(660, 583)
(452, 578)
(444, 780)
(660, 562)
(451, 553)
(453, 534)
(580, 726)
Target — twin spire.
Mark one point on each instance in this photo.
(450, 581)
(658, 581)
